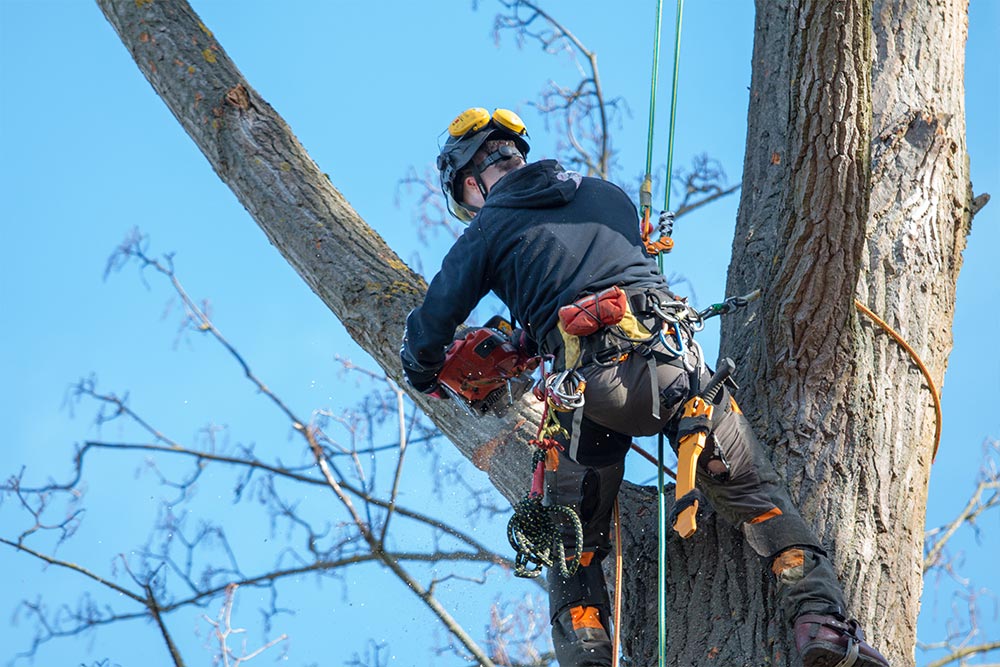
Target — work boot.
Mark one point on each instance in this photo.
(831, 641)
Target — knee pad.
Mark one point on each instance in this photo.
(774, 535)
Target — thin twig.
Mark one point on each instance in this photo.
(401, 412)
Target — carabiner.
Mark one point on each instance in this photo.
(565, 390)
(674, 351)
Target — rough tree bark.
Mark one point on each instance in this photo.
(870, 200)
(841, 197)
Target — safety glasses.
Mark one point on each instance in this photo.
(476, 118)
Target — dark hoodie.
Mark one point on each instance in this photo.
(543, 237)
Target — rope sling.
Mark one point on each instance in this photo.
(533, 530)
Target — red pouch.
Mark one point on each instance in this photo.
(591, 313)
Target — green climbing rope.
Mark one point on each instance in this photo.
(645, 202)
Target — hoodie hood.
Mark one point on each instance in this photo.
(542, 184)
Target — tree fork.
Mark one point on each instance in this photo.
(854, 440)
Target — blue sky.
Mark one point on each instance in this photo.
(90, 152)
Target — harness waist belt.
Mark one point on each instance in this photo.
(602, 348)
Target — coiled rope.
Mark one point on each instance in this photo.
(533, 530)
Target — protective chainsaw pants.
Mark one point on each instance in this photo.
(733, 472)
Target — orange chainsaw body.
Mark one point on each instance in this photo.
(483, 368)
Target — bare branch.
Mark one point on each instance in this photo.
(76, 568)
(583, 103)
(135, 248)
(963, 628)
(223, 629)
(966, 653)
(154, 610)
(985, 497)
(702, 184)
(403, 430)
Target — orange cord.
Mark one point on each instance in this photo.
(920, 364)
(616, 642)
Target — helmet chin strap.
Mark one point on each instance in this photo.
(502, 154)
(477, 174)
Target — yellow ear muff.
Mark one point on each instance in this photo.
(469, 120)
(509, 120)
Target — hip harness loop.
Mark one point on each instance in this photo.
(607, 327)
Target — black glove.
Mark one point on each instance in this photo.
(420, 377)
(526, 347)
(432, 388)
(684, 502)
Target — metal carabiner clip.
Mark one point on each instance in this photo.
(677, 351)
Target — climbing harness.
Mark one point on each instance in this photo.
(533, 530)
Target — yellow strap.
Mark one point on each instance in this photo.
(571, 348)
(632, 327)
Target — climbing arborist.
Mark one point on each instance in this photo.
(564, 253)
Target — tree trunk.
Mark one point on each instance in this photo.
(845, 412)
(841, 197)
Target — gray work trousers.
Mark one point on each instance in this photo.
(745, 490)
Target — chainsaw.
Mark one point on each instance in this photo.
(485, 371)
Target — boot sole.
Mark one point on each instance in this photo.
(825, 654)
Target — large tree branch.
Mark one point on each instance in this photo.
(346, 263)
